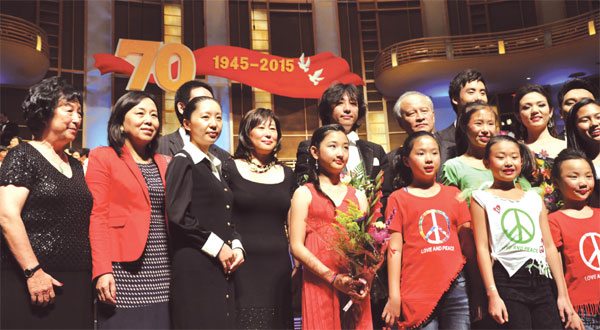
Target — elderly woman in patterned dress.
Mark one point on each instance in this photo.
(128, 231)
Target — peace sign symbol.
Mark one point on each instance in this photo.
(440, 235)
(595, 257)
(518, 226)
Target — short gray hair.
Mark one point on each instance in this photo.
(397, 110)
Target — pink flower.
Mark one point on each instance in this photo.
(379, 235)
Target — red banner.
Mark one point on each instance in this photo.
(302, 77)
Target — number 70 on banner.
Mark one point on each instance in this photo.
(156, 58)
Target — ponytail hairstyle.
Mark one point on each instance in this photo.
(313, 172)
(568, 154)
(405, 176)
(462, 126)
(528, 163)
(190, 107)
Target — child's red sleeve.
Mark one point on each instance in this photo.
(393, 203)
(464, 215)
(555, 229)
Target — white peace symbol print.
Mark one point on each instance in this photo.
(593, 261)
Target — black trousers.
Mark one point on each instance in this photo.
(528, 297)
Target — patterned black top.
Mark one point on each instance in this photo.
(146, 281)
(56, 213)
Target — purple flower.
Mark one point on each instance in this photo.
(361, 218)
(389, 219)
(379, 236)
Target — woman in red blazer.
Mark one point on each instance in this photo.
(128, 232)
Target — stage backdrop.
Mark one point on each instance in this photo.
(171, 65)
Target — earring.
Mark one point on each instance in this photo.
(317, 166)
(121, 129)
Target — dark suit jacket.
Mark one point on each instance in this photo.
(170, 144)
(369, 151)
(199, 205)
(120, 219)
(388, 184)
(447, 139)
(9, 131)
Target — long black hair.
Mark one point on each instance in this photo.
(573, 139)
(318, 136)
(252, 119)
(116, 137)
(404, 174)
(528, 163)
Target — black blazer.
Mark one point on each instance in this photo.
(170, 144)
(372, 155)
(447, 139)
(388, 184)
(198, 204)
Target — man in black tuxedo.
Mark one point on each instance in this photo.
(466, 87)
(414, 112)
(170, 144)
(344, 104)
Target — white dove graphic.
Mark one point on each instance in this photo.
(316, 77)
(304, 65)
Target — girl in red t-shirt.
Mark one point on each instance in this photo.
(425, 262)
(576, 232)
(312, 215)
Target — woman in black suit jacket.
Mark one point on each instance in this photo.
(206, 248)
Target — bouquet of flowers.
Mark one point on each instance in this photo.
(362, 238)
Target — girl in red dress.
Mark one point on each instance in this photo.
(576, 232)
(312, 215)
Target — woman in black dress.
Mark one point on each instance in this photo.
(45, 210)
(262, 190)
(206, 248)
